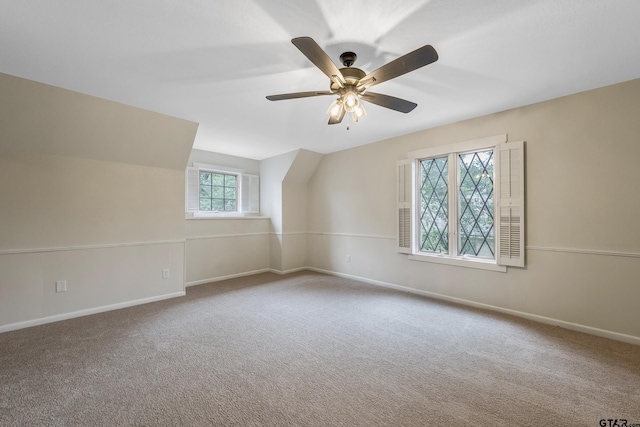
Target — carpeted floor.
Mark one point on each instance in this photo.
(312, 350)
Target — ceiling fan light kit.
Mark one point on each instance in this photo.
(351, 84)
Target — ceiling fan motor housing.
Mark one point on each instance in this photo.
(351, 76)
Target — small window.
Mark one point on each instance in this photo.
(219, 191)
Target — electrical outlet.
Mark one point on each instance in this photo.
(348, 259)
(61, 286)
(165, 273)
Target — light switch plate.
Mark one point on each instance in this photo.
(61, 286)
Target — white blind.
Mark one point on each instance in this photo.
(404, 177)
(250, 193)
(192, 199)
(511, 204)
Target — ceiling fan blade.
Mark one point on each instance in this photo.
(406, 63)
(298, 95)
(319, 57)
(389, 102)
(336, 120)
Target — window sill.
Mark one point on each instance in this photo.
(234, 215)
(460, 262)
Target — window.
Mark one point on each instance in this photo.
(474, 208)
(434, 205)
(456, 206)
(219, 191)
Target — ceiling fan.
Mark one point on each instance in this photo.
(351, 84)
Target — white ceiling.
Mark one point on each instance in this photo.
(214, 61)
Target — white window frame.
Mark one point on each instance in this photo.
(508, 249)
(247, 191)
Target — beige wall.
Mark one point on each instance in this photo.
(583, 251)
(46, 119)
(222, 248)
(53, 201)
(249, 166)
(92, 192)
(283, 198)
(98, 278)
(108, 229)
(219, 248)
(294, 209)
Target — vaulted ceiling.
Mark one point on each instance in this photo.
(213, 62)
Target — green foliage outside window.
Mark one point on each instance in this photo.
(218, 192)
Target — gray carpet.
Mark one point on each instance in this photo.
(311, 350)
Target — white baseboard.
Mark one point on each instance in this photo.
(87, 312)
(247, 273)
(542, 319)
(229, 276)
(293, 270)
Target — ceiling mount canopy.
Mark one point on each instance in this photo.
(351, 84)
(348, 58)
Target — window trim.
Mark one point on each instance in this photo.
(453, 257)
(459, 147)
(460, 261)
(494, 143)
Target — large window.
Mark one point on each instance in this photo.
(461, 206)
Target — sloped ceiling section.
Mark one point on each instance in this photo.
(46, 119)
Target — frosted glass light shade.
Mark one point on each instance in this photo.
(335, 109)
